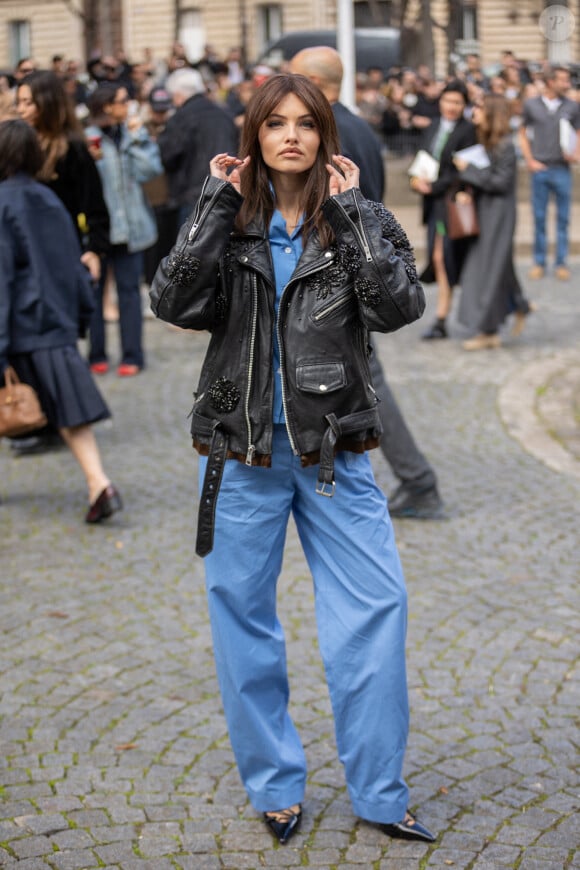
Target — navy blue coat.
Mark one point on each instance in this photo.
(45, 291)
(359, 143)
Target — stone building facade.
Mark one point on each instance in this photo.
(41, 28)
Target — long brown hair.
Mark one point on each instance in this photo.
(495, 125)
(255, 185)
(56, 123)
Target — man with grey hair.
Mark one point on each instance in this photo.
(198, 130)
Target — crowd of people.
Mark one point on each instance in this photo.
(253, 206)
(398, 103)
(401, 103)
(126, 148)
(473, 154)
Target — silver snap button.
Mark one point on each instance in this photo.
(287, 250)
(322, 388)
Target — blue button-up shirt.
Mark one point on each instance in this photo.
(286, 251)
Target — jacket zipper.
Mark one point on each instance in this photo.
(196, 222)
(281, 347)
(199, 215)
(251, 447)
(338, 303)
(282, 381)
(358, 233)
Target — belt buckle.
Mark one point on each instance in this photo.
(321, 488)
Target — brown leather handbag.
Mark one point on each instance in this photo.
(20, 409)
(462, 221)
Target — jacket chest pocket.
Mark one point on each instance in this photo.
(313, 376)
(333, 305)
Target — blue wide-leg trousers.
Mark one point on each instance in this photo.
(361, 602)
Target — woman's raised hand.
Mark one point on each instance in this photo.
(221, 167)
(348, 176)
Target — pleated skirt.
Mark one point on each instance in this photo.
(64, 384)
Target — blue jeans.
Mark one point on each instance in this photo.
(361, 612)
(127, 269)
(555, 180)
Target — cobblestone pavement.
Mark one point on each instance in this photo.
(113, 749)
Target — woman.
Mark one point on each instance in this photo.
(70, 172)
(450, 133)
(289, 267)
(45, 300)
(127, 158)
(490, 287)
(67, 167)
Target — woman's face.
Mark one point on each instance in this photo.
(289, 139)
(26, 106)
(118, 109)
(478, 115)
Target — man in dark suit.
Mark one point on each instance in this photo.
(197, 131)
(417, 496)
(447, 134)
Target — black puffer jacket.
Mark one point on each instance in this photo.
(214, 279)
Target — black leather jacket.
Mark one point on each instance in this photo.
(217, 280)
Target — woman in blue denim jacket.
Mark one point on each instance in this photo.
(126, 157)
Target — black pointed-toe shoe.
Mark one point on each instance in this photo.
(107, 503)
(409, 829)
(284, 823)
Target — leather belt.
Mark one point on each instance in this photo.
(337, 427)
(216, 460)
(218, 449)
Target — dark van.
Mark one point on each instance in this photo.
(374, 46)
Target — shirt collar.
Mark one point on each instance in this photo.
(278, 231)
